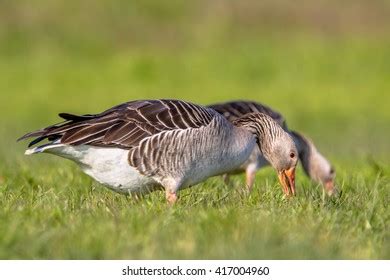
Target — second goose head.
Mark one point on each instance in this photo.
(315, 165)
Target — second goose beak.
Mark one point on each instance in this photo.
(330, 188)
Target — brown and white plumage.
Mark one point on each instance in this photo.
(140, 146)
(233, 110)
(125, 125)
(316, 166)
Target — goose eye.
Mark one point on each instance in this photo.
(332, 171)
(292, 155)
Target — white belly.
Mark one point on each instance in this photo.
(108, 166)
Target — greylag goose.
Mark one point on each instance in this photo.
(315, 165)
(141, 146)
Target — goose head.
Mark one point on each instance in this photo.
(315, 165)
(276, 145)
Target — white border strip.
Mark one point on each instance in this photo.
(278, 270)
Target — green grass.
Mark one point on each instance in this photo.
(333, 88)
(53, 211)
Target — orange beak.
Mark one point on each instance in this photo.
(287, 180)
(329, 187)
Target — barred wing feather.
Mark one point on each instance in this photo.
(125, 125)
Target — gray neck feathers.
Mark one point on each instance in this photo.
(305, 150)
(263, 127)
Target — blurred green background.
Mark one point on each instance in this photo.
(324, 64)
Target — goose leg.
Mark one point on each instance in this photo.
(250, 178)
(171, 197)
(171, 187)
(226, 179)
